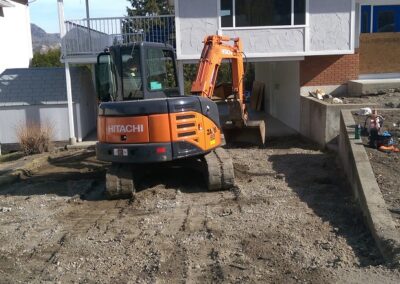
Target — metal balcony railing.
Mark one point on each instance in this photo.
(91, 36)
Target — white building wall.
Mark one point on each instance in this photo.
(330, 25)
(15, 37)
(329, 30)
(13, 117)
(195, 19)
(282, 90)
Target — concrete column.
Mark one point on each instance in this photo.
(181, 78)
(72, 138)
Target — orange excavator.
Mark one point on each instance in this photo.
(144, 119)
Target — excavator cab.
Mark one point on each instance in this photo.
(137, 72)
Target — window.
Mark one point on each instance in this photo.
(161, 73)
(384, 18)
(256, 13)
(386, 21)
(300, 12)
(365, 19)
(226, 13)
(131, 78)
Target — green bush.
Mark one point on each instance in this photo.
(48, 59)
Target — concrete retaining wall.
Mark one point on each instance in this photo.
(320, 121)
(359, 172)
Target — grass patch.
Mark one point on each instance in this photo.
(11, 157)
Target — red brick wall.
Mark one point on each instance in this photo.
(329, 69)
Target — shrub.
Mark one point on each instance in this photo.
(48, 59)
(34, 138)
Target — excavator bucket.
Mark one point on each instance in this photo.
(251, 134)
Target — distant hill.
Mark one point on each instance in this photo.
(42, 41)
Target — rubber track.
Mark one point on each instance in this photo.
(214, 174)
(228, 174)
(220, 170)
(119, 182)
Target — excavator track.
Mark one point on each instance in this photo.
(220, 173)
(119, 181)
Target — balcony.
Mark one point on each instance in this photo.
(87, 37)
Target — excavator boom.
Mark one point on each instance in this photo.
(233, 111)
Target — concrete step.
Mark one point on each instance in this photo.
(372, 86)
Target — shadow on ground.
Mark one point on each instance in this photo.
(318, 182)
(277, 143)
(80, 174)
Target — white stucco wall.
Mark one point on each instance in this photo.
(275, 42)
(330, 30)
(282, 90)
(195, 20)
(330, 25)
(15, 37)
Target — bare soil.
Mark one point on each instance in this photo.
(384, 100)
(386, 166)
(291, 219)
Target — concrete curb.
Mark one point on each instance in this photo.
(29, 167)
(359, 172)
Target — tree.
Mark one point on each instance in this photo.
(48, 59)
(149, 8)
(155, 29)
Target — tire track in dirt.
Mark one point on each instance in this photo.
(198, 236)
(273, 227)
(47, 253)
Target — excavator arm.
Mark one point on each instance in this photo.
(236, 124)
(214, 52)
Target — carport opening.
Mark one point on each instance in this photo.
(271, 89)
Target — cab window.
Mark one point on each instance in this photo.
(131, 74)
(161, 72)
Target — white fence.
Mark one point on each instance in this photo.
(91, 36)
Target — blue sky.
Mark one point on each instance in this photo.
(44, 12)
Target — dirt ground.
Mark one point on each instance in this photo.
(384, 100)
(290, 220)
(386, 166)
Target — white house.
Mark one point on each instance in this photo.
(295, 45)
(291, 42)
(15, 34)
(298, 45)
